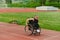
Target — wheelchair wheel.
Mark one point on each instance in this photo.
(28, 31)
(37, 31)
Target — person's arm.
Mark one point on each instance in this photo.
(31, 19)
(27, 21)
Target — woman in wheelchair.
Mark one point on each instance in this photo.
(33, 22)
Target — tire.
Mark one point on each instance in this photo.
(38, 33)
(29, 32)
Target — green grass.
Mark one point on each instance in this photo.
(47, 20)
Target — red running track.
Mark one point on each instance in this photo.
(16, 32)
(18, 10)
(23, 10)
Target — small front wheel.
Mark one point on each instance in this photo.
(37, 31)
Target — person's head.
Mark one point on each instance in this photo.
(36, 17)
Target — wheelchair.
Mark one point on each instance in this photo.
(29, 29)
